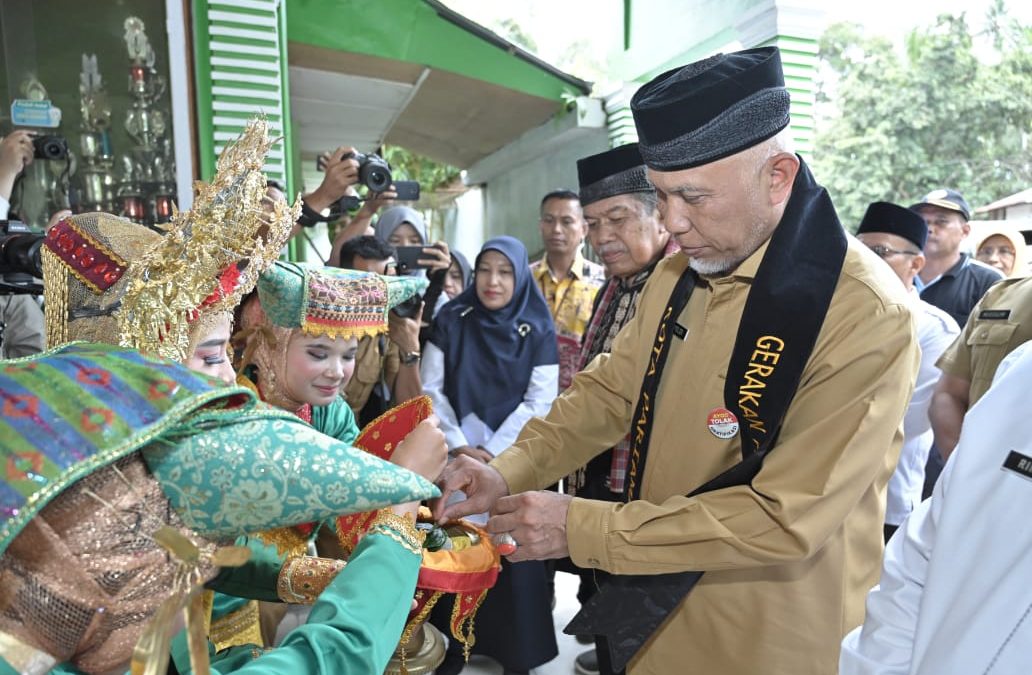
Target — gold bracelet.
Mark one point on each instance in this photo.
(401, 529)
(302, 579)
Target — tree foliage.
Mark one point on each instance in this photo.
(932, 116)
(407, 165)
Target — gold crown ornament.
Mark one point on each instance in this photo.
(110, 280)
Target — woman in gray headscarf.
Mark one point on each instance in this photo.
(404, 226)
(401, 226)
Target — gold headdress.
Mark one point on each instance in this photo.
(110, 280)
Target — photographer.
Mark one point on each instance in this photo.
(16, 153)
(341, 174)
(21, 319)
(386, 367)
(361, 223)
(403, 227)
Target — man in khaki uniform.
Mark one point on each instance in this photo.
(789, 555)
(999, 323)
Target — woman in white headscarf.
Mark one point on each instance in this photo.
(1004, 248)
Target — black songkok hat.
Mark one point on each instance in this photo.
(711, 109)
(614, 172)
(895, 219)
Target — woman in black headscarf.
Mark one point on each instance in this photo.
(490, 365)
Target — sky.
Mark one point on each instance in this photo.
(554, 24)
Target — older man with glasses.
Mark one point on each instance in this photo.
(897, 235)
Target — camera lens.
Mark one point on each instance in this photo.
(50, 147)
(378, 181)
(375, 173)
(20, 253)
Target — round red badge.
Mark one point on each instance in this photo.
(722, 423)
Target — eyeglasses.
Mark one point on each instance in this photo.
(990, 251)
(884, 251)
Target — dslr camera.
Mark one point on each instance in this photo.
(50, 147)
(373, 170)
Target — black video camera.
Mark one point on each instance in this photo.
(19, 258)
(50, 147)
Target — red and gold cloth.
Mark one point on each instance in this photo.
(468, 573)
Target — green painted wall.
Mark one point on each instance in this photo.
(799, 61)
(240, 70)
(665, 34)
(411, 31)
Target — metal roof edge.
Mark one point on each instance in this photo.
(470, 26)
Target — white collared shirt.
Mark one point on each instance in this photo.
(936, 331)
(953, 598)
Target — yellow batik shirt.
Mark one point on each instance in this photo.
(570, 299)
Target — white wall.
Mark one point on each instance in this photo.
(467, 233)
(515, 178)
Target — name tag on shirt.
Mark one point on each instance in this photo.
(1019, 464)
(994, 314)
(680, 331)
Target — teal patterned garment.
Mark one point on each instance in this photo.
(75, 409)
(331, 301)
(269, 469)
(228, 463)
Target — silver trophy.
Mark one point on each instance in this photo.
(148, 169)
(95, 175)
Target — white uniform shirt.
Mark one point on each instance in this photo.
(936, 331)
(954, 598)
(471, 430)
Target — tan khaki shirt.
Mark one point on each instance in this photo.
(1000, 321)
(789, 559)
(368, 366)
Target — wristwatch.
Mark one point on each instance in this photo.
(409, 358)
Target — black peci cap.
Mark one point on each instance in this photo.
(613, 172)
(711, 109)
(894, 219)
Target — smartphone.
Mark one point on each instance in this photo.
(411, 258)
(408, 190)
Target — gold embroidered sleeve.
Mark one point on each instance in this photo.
(303, 578)
(400, 529)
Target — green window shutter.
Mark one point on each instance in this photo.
(799, 61)
(241, 70)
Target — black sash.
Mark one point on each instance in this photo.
(783, 315)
